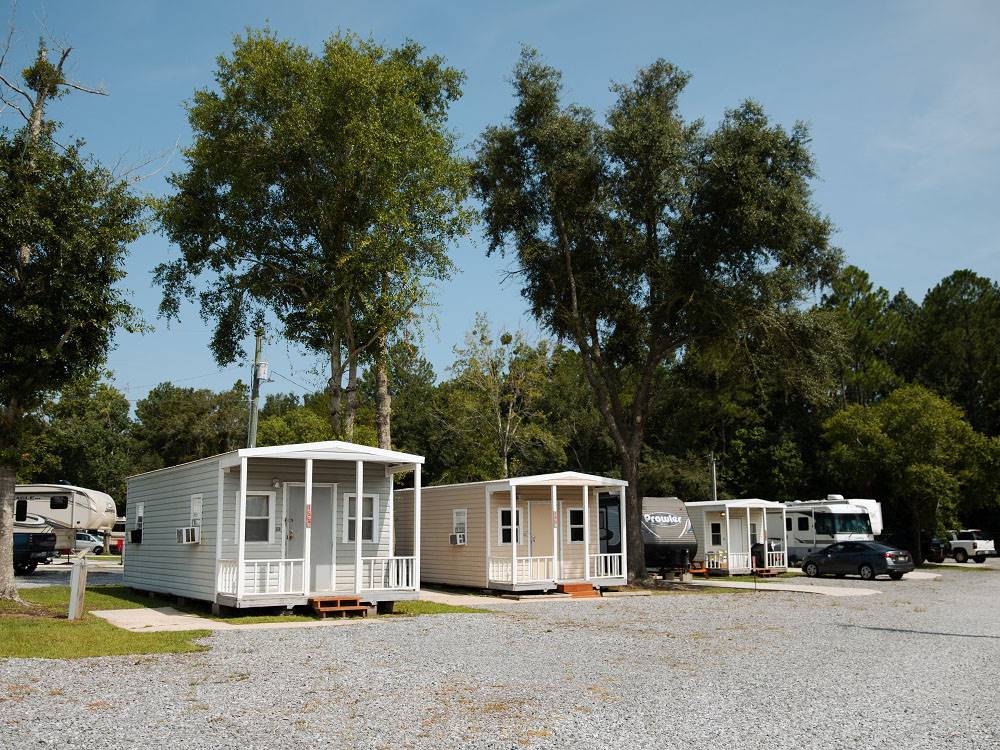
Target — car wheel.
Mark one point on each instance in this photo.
(961, 556)
(895, 575)
(811, 570)
(980, 559)
(98, 550)
(867, 573)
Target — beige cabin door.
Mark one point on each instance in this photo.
(540, 529)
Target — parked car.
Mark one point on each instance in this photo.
(32, 548)
(968, 543)
(866, 559)
(932, 549)
(88, 543)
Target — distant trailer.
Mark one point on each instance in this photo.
(65, 506)
(667, 533)
(812, 525)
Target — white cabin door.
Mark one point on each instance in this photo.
(295, 521)
(738, 536)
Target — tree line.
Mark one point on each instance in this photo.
(672, 267)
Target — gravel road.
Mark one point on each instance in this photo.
(680, 670)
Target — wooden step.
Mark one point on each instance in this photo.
(343, 605)
(578, 590)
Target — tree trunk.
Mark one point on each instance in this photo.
(352, 395)
(8, 588)
(336, 389)
(633, 514)
(383, 399)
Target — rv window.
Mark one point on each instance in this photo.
(459, 521)
(716, 534)
(576, 525)
(59, 502)
(21, 511)
(853, 523)
(788, 524)
(369, 512)
(503, 526)
(824, 524)
(803, 523)
(257, 526)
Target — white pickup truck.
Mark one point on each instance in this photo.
(969, 543)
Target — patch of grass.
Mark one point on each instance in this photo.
(421, 607)
(681, 589)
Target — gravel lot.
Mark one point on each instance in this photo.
(682, 670)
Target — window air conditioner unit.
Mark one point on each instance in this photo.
(135, 536)
(457, 539)
(189, 535)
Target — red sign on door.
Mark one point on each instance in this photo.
(309, 516)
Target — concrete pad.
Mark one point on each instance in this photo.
(147, 620)
(457, 599)
(835, 591)
(921, 575)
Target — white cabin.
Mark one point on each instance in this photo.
(727, 531)
(275, 526)
(568, 530)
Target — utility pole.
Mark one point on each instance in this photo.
(715, 494)
(259, 373)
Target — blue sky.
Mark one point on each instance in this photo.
(903, 99)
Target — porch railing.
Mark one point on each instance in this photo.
(718, 560)
(777, 560)
(387, 573)
(607, 565)
(529, 569)
(260, 577)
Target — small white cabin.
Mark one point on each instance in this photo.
(568, 530)
(727, 531)
(275, 526)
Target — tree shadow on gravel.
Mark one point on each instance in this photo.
(921, 632)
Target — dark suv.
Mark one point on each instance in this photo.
(932, 549)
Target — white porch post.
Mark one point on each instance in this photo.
(623, 523)
(586, 533)
(749, 546)
(784, 534)
(489, 538)
(359, 504)
(416, 526)
(729, 550)
(513, 534)
(556, 559)
(307, 540)
(219, 507)
(241, 539)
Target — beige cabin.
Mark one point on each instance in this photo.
(740, 536)
(567, 527)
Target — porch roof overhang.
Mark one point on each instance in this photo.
(328, 450)
(731, 504)
(558, 479)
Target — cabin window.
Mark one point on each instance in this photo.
(369, 512)
(59, 502)
(753, 532)
(503, 526)
(716, 530)
(257, 522)
(196, 503)
(21, 511)
(139, 508)
(824, 524)
(803, 523)
(575, 525)
(459, 521)
(788, 524)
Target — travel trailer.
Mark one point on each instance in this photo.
(63, 510)
(812, 525)
(280, 526)
(740, 536)
(562, 531)
(667, 534)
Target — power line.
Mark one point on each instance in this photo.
(303, 387)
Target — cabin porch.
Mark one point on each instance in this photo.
(730, 530)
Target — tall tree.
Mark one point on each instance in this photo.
(641, 236)
(65, 224)
(323, 189)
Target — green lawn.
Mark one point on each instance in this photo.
(419, 607)
(43, 630)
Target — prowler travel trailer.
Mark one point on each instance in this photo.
(740, 536)
(63, 510)
(280, 526)
(667, 534)
(812, 525)
(540, 533)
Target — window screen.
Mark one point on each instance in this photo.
(576, 525)
(258, 518)
(59, 502)
(716, 534)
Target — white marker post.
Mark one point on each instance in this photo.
(77, 588)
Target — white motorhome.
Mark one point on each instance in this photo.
(64, 509)
(812, 525)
